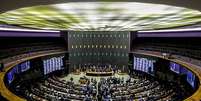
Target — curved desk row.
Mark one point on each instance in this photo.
(194, 68)
(5, 92)
(99, 73)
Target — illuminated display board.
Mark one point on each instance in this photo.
(175, 67)
(98, 47)
(179, 69)
(11, 74)
(143, 64)
(17, 69)
(53, 64)
(191, 78)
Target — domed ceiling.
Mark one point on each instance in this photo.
(101, 16)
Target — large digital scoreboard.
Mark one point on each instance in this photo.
(143, 64)
(53, 64)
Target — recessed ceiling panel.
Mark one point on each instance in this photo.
(101, 16)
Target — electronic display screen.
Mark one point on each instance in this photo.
(10, 77)
(175, 67)
(11, 74)
(179, 69)
(191, 78)
(52, 64)
(24, 66)
(143, 64)
(17, 69)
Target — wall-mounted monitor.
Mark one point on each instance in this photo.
(53, 64)
(179, 69)
(17, 69)
(190, 78)
(11, 75)
(175, 67)
(24, 66)
(143, 64)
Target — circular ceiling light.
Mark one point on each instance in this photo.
(101, 16)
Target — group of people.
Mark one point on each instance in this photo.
(99, 69)
(95, 68)
(136, 88)
(54, 89)
(119, 89)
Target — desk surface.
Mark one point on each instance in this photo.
(99, 73)
(4, 90)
